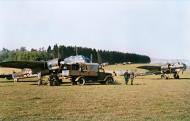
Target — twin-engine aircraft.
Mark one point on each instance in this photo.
(34, 66)
(166, 70)
(43, 67)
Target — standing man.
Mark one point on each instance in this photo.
(132, 76)
(14, 76)
(126, 76)
(39, 78)
(114, 73)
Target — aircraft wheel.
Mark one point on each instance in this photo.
(56, 81)
(50, 83)
(176, 76)
(39, 82)
(163, 76)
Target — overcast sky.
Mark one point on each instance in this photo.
(157, 28)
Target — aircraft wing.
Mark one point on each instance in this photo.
(151, 68)
(25, 64)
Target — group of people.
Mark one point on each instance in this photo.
(129, 75)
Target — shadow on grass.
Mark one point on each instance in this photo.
(46, 84)
(170, 79)
(6, 81)
(96, 83)
(86, 84)
(135, 84)
(69, 83)
(183, 78)
(35, 98)
(139, 84)
(92, 84)
(27, 81)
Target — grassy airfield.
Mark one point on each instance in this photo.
(149, 99)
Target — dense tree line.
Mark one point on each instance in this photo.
(62, 51)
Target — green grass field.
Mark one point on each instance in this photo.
(149, 99)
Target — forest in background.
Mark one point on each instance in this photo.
(98, 56)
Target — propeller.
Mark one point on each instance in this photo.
(184, 67)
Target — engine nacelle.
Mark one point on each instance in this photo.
(53, 64)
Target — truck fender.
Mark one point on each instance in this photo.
(108, 76)
(78, 78)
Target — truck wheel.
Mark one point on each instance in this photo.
(81, 81)
(109, 80)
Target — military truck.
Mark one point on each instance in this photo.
(81, 73)
(78, 71)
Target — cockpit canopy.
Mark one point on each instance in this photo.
(76, 59)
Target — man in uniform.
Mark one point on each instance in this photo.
(126, 76)
(132, 76)
(39, 78)
(14, 76)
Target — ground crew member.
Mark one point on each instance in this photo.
(114, 73)
(126, 76)
(132, 76)
(14, 76)
(39, 78)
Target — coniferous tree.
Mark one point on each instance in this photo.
(55, 51)
(99, 58)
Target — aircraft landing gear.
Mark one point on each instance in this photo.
(176, 76)
(164, 76)
(39, 82)
(54, 80)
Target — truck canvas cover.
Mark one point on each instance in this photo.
(76, 59)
